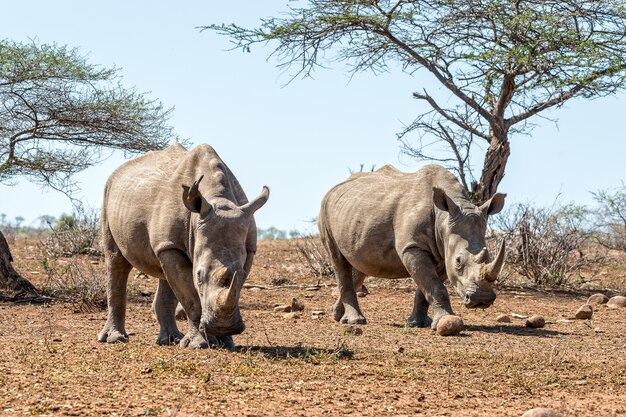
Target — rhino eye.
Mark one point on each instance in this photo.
(458, 262)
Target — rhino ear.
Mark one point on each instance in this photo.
(192, 197)
(443, 202)
(494, 204)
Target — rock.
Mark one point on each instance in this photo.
(542, 412)
(585, 312)
(597, 299)
(145, 293)
(282, 308)
(312, 289)
(293, 315)
(353, 330)
(449, 325)
(296, 305)
(503, 318)
(518, 316)
(180, 313)
(362, 292)
(617, 302)
(536, 322)
(318, 312)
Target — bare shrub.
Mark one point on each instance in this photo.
(548, 245)
(313, 254)
(76, 234)
(77, 280)
(611, 218)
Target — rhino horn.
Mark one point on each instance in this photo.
(228, 298)
(491, 271)
(191, 196)
(257, 203)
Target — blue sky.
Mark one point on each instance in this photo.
(299, 139)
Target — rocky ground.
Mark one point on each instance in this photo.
(306, 364)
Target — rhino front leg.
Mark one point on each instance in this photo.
(117, 270)
(179, 274)
(164, 306)
(423, 271)
(419, 315)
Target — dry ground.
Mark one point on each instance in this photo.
(51, 364)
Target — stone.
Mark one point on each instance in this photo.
(542, 412)
(536, 322)
(618, 301)
(449, 325)
(282, 308)
(585, 312)
(597, 299)
(292, 315)
(296, 305)
(180, 313)
(503, 318)
(318, 312)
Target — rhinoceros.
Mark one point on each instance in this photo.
(180, 216)
(422, 225)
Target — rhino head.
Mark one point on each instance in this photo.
(218, 240)
(468, 264)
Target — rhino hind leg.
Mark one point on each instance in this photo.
(419, 316)
(118, 269)
(164, 306)
(346, 310)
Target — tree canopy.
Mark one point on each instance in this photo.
(500, 62)
(60, 114)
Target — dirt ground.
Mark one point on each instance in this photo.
(51, 363)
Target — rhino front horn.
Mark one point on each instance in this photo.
(228, 298)
(492, 270)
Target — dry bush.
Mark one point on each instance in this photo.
(76, 234)
(313, 254)
(611, 218)
(548, 245)
(76, 280)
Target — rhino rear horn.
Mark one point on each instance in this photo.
(191, 196)
(492, 270)
(257, 203)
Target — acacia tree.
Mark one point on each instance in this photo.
(500, 62)
(60, 115)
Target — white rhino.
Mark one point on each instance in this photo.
(422, 225)
(180, 216)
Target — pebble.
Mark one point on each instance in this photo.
(536, 322)
(283, 308)
(296, 305)
(503, 318)
(318, 312)
(353, 330)
(597, 299)
(585, 312)
(449, 325)
(542, 412)
(618, 301)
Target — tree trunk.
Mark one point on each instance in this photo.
(9, 278)
(493, 169)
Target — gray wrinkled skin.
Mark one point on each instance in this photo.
(180, 216)
(390, 224)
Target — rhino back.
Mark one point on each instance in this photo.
(372, 217)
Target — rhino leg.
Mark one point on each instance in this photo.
(419, 316)
(346, 310)
(117, 270)
(179, 274)
(164, 306)
(423, 271)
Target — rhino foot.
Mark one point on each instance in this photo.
(353, 320)
(112, 336)
(195, 341)
(419, 321)
(169, 339)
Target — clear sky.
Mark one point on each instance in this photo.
(299, 139)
